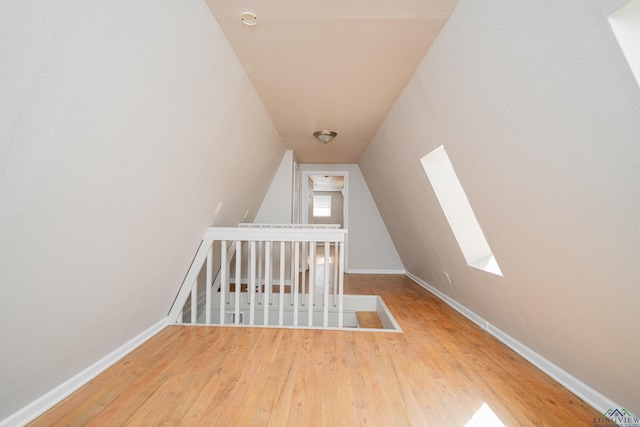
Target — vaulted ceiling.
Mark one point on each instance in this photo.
(330, 65)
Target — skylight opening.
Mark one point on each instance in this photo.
(322, 205)
(457, 210)
(625, 24)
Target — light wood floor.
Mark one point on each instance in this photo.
(437, 373)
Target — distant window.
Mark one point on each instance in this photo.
(322, 206)
(626, 27)
(458, 211)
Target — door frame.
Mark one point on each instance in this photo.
(304, 209)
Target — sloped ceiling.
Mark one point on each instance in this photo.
(540, 115)
(336, 65)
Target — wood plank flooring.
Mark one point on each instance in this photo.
(439, 372)
(369, 320)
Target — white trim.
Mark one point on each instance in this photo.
(375, 271)
(311, 328)
(594, 398)
(453, 303)
(273, 225)
(386, 317)
(247, 234)
(55, 396)
(573, 384)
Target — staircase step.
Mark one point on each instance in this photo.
(369, 320)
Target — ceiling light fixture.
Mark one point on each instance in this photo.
(325, 136)
(249, 19)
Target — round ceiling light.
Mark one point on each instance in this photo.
(249, 19)
(325, 136)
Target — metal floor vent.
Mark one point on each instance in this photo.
(230, 318)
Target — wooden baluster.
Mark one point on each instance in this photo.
(208, 285)
(326, 284)
(238, 286)
(194, 302)
(341, 286)
(304, 267)
(252, 284)
(228, 291)
(291, 269)
(335, 274)
(296, 266)
(267, 279)
(281, 308)
(312, 280)
(224, 282)
(273, 275)
(259, 286)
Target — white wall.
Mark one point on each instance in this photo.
(123, 125)
(276, 208)
(369, 246)
(540, 115)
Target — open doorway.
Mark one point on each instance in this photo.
(325, 199)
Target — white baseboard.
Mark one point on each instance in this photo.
(453, 303)
(594, 398)
(53, 397)
(374, 271)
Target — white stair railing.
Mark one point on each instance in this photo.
(256, 256)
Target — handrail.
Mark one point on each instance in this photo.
(252, 246)
(267, 225)
(276, 234)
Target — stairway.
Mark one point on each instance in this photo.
(369, 320)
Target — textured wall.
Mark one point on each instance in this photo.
(123, 125)
(276, 207)
(540, 115)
